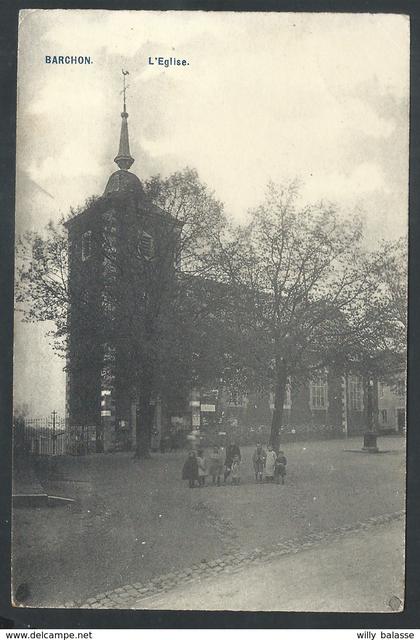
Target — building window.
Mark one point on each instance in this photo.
(384, 416)
(356, 393)
(146, 245)
(233, 400)
(318, 392)
(86, 245)
(382, 386)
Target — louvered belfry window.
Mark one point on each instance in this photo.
(146, 245)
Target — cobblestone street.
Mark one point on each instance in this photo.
(137, 531)
(140, 595)
(359, 569)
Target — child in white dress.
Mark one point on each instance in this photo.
(202, 468)
(270, 464)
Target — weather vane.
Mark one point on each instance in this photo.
(125, 87)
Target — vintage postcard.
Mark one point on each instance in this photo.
(211, 311)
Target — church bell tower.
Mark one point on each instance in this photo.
(116, 246)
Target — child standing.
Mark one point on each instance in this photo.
(258, 460)
(281, 463)
(232, 450)
(216, 465)
(270, 464)
(236, 470)
(202, 468)
(190, 469)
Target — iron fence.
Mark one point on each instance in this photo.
(52, 436)
(45, 436)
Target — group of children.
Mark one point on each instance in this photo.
(268, 466)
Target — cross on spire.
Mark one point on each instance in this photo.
(125, 87)
(123, 159)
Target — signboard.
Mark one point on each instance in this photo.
(105, 413)
(194, 403)
(208, 407)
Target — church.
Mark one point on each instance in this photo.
(113, 241)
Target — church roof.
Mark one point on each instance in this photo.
(123, 181)
(124, 159)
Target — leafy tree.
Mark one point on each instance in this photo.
(296, 274)
(374, 336)
(147, 312)
(41, 280)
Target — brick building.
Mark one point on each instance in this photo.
(392, 407)
(331, 406)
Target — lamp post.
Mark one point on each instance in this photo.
(370, 436)
(54, 435)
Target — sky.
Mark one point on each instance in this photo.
(273, 96)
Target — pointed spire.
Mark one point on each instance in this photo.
(123, 159)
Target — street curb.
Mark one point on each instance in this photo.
(30, 500)
(378, 452)
(129, 596)
(39, 500)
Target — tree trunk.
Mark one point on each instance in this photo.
(375, 403)
(279, 397)
(144, 424)
(368, 402)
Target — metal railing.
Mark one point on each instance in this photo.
(52, 436)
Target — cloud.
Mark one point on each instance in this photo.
(266, 96)
(364, 179)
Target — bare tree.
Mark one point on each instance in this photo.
(295, 274)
